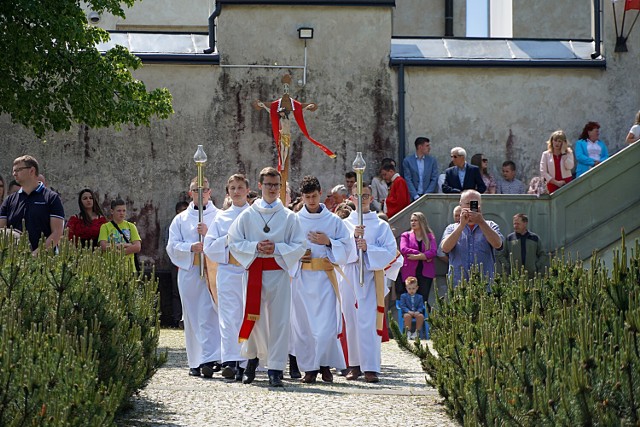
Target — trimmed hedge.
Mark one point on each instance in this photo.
(79, 335)
(560, 350)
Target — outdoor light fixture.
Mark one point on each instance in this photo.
(305, 33)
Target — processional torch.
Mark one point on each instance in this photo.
(359, 166)
(200, 158)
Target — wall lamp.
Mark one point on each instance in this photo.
(305, 33)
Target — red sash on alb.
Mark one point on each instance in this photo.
(254, 291)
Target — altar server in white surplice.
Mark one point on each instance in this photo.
(363, 306)
(201, 329)
(266, 239)
(229, 277)
(316, 316)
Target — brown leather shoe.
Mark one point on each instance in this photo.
(371, 377)
(310, 377)
(327, 376)
(354, 373)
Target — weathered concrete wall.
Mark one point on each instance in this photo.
(158, 15)
(348, 77)
(553, 19)
(426, 18)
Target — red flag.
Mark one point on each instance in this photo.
(632, 4)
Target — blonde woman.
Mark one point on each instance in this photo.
(557, 162)
(419, 249)
(634, 132)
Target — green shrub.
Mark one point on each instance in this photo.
(84, 312)
(559, 350)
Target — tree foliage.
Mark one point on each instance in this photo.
(53, 74)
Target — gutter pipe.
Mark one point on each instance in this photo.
(448, 18)
(212, 28)
(401, 114)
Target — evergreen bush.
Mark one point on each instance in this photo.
(79, 334)
(559, 350)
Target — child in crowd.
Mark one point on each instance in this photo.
(510, 184)
(412, 306)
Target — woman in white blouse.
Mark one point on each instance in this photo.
(557, 162)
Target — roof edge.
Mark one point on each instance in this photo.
(386, 3)
(506, 63)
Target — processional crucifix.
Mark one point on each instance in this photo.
(279, 111)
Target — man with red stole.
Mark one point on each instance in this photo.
(267, 240)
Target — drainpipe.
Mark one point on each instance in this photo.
(212, 28)
(401, 113)
(448, 18)
(597, 15)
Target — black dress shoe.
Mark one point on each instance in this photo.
(229, 370)
(209, 368)
(294, 372)
(326, 374)
(275, 378)
(250, 372)
(194, 372)
(310, 377)
(239, 373)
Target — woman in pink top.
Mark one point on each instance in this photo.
(557, 162)
(419, 249)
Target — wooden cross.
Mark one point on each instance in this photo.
(279, 111)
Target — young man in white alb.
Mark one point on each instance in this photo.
(266, 239)
(316, 316)
(229, 277)
(201, 329)
(363, 305)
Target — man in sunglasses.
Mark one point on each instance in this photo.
(462, 176)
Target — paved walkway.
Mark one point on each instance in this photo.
(172, 398)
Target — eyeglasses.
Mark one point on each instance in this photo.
(364, 196)
(16, 170)
(204, 190)
(485, 160)
(453, 156)
(270, 185)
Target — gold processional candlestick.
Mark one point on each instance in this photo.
(359, 165)
(200, 158)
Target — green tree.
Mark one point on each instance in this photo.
(52, 74)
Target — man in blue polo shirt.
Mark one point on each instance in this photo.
(39, 207)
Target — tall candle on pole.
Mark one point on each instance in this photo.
(359, 166)
(200, 158)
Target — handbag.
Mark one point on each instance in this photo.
(135, 256)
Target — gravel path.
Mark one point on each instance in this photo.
(172, 398)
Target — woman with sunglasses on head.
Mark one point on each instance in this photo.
(85, 225)
(482, 162)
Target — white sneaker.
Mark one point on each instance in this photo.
(412, 336)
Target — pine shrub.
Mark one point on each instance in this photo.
(558, 350)
(79, 334)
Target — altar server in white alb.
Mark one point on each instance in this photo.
(266, 239)
(363, 306)
(229, 277)
(316, 316)
(201, 329)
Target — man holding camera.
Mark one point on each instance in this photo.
(471, 241)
